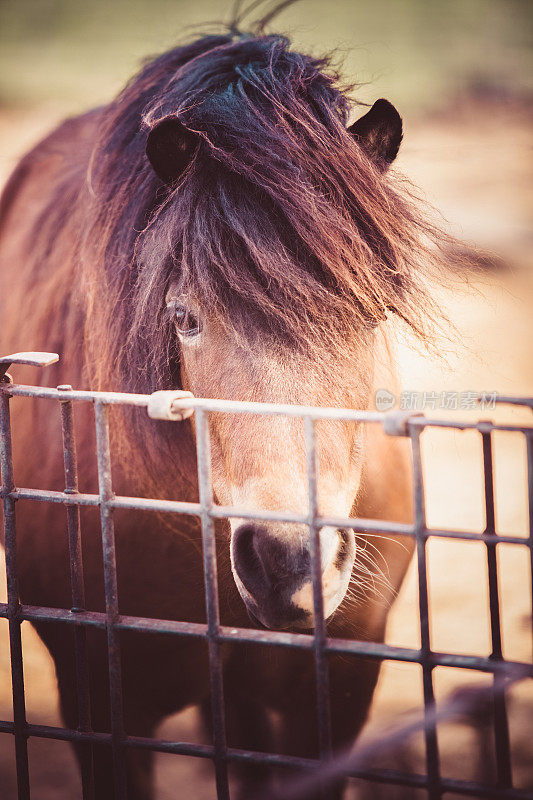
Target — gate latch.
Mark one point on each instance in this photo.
(394, 423)
(163, 405)
(30, 359)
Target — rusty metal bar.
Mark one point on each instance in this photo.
(248, 407)
(382, 776)
(320, 632)
(515, 401)
(529, 456)
(302, 641)
(13, 603)
(226, 512)
(78, 594)
(432, 751)
(201, 403)
(101, 414)
(33, 359)
(490, 528)
(501, 724)
(203, 451)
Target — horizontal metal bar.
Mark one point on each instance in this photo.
(303, 641)
(31, 358)
(80, 499)
(473, 537)
(360, 525)
(230, 406)
(357, 524)
(385, 776)
(98, 619)
(451, 785)
(80, 395)
(483, 426)
(247, 407)
(515, 401)
(49, 496)
(71, 735)
(162, 506)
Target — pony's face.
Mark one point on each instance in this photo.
(259, 462)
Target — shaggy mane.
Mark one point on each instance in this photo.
(281, 225)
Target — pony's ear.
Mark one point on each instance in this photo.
(379, 132)
(170, 148)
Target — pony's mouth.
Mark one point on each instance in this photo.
(255, 620)
(279, 619)
(295, 610)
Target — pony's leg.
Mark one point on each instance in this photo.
(139, 719)
(248, 727)
(139, 763)
(139, 773)
(352, 683)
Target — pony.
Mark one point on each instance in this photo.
(218, 227)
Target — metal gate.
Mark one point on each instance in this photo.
(177, 405)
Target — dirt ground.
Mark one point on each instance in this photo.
(476, 167)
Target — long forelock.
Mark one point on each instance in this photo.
(280, 224)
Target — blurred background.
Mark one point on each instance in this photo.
(461, 74)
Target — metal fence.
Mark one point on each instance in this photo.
(178, 405)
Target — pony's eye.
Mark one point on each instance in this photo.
(187, 323)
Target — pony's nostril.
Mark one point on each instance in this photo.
(247, 560)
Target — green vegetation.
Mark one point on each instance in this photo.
(423, 54)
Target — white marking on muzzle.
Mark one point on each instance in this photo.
(334, 582)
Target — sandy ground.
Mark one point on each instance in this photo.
(477, 169)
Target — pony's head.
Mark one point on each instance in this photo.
(269, 244)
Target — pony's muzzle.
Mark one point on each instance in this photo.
(272, 569)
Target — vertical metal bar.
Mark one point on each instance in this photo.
(501, 724)
(203, 451)
(320, 633)
(490, 528)
(78, 596)
(430, 731)
(529, 451)
(13, 604)
(101, 413)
